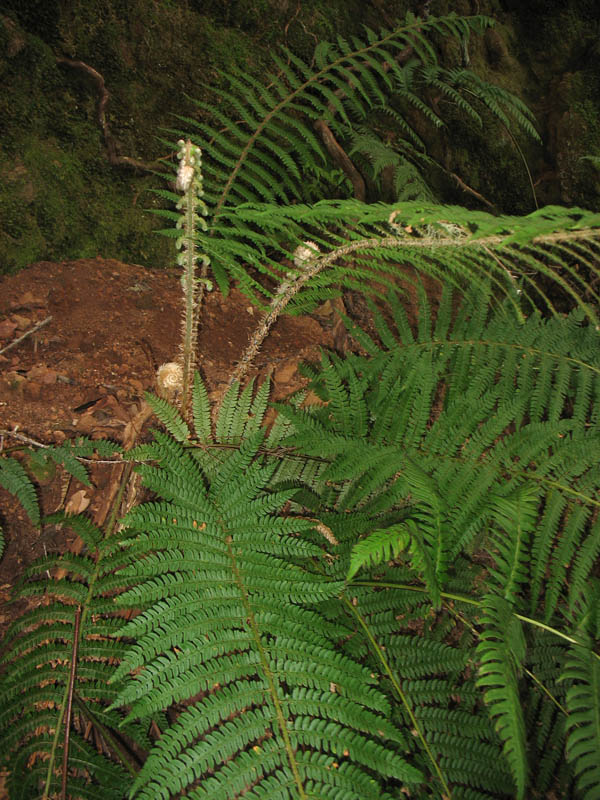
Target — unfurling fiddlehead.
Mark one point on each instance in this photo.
(193, 210)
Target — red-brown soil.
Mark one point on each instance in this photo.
(86, 371)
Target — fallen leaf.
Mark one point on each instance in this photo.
(77, 503)
(7, 328)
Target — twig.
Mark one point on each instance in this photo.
(65, 764)
(26, 334)
(34, 443)
(341, 159)
(466, 188)
(21, 438)
(333, 147)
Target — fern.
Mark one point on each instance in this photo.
(392, 590)
(38, 652)
(497, 460)
(501, 652)
(15, 480)
(583, 702)
(379, 546)
(267, 144)
(263, 671)
(170, 417)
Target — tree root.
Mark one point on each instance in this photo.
(114, 158)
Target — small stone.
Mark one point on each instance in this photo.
(7, 328)
(286, 372)
(22, 322)
(32, 390)
(28, 300)
(43, 374)
(14, 382)
(137, 386)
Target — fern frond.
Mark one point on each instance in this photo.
(37, 660)
(516, 516)
(15, 480)
(381, 545)
(583, 724)
(501, 652)
(252, 657)
(263, 149)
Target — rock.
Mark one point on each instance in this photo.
(32, 390)
(28, 300)
(285, 372)
(42, 374)
(22, 322)
(13, 382)
(7, 328)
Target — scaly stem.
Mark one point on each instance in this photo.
(189, 181)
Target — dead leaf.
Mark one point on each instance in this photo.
(7, 328)
(77, 503)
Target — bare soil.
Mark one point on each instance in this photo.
(86, 370)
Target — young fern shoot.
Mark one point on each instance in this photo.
(175, 379)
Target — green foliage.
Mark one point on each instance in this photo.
(446, 442)
(15, 479)
(583, 703)
(265, 668)
(468, 431)
(446, 484)
(389, 591)
(266, 144)
(37, 654)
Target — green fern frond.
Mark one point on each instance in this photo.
(582, 671)
(253, 657)
(15, 480)
(462, 248)
(380, 545)
(501, 653)
(201, 410)
(169, 416)
(516, 471)
(516, 515)
(68, 454)
(263, 148)
(38, 650)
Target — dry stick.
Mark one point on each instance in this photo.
(26, 334)
(65, 764)
(34, 443)
(344, 162)
(333, 147)
(466, 188)
(341, 159)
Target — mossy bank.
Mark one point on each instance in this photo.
(60, 197)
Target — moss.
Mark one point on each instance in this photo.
(152, 53)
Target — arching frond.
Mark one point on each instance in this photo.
(275, 700)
